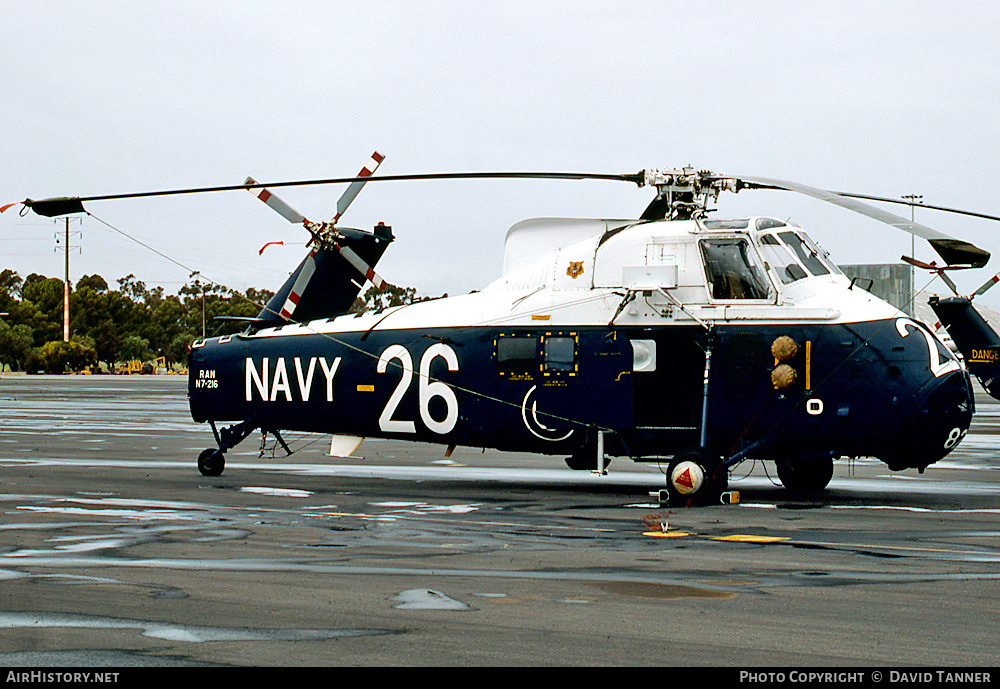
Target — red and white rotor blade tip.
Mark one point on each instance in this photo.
(355, 187)
(299, 286)
(987, 285)
(286, 211)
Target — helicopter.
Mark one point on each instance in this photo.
(672, 337)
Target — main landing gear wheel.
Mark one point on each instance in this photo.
(211, 462)
(805, 475)
(696, 477)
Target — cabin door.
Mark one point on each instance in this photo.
(667, 378)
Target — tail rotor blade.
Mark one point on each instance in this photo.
(987, 285)
(286, 211)
(299, 287)
(948, 281)
(351, 257)
(940, 270)
(355, 187)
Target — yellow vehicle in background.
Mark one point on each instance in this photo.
(154, 366)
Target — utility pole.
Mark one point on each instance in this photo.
(913, 199)
(66, 283)
(197, 283)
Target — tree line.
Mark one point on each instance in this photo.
(133, 322)
(107, 326)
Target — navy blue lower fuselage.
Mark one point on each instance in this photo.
(884, 388)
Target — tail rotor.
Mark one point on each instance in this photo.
(326, 237)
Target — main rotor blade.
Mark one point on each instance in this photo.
(904, 202)
(953, 251)
(60, 206)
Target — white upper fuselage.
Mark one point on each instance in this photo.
(566, 272)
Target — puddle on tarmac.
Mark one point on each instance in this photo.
(278, 492)
(660, 591)
(97, 659)
(178, 632)
(426, 599)
(427, 508)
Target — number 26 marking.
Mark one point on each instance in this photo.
(427, 389)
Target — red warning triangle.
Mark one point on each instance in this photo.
(685, 479)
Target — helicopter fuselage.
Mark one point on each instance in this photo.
(740, 338)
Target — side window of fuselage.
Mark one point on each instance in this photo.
(517, 354)
(521, 356)
(559, 354)
(731, 272)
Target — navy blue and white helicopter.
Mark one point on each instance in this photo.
(671, 337)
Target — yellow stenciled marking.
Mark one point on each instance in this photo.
(809, 349)
(748, 538)
(984, 356)
(540, 316)
(366, 388)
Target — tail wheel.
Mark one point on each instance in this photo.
(696, 477)
(805, 475)
(211, 462)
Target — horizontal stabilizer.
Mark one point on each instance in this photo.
(253, 320)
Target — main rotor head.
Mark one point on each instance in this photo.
(684, 193)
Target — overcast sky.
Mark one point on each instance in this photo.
(887, 98)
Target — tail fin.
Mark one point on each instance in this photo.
(978, 342)
(327, 282)
(331, 277)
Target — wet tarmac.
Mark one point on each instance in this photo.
(115, 551)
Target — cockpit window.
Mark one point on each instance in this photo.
(806, 251)
(740, 224)
(732, 273)
(777, 257)
(820, 253)
(768, 223)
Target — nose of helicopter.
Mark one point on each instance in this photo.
(932, 422)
